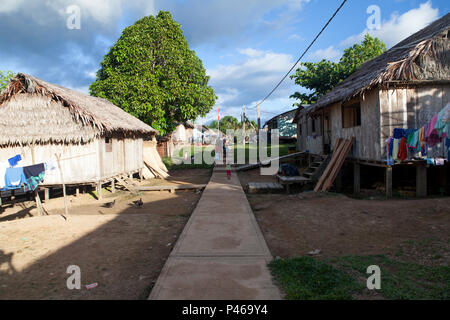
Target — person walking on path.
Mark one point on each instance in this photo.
(224, 148)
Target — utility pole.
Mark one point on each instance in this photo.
(243, 124)
(259, 124)
(218, 121)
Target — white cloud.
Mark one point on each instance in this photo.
(259, 69)
(105, 12)
(295, 37)
(7, 6)
(252, 53)
(228, 94)
(399, 27)
(297, 4)
(329, 53)
(83, 89)
(248, 81)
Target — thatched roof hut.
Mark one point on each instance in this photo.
(95, 140)
(402, 88)
(422, 57)
(35, 111)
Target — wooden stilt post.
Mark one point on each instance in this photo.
(38, 201)
(66, 209)
(421, 181)
(46, 194)
(356, 179)
(99, 191)
(77, 192)
(389, 182)
(113, 185)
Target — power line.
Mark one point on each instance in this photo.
(303, 54)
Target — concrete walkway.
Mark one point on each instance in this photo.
(221, 253)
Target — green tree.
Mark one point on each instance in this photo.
(213, 124)
(321, 77)
(5, 77)
(228, 122)
(151, 73)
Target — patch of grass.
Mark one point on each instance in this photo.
(306, 278)
(402, 280)
(283, 149)
(183, 166)
(191, 151)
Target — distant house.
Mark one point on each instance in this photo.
(287, 128)
(184, 134)
(209, 136)
(95, 140)
(403, 88)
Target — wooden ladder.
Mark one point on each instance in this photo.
(128, 186)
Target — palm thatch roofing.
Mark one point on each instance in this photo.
(33, 111)
(421, 58)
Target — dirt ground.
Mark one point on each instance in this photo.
(122, 249)
(337, 225)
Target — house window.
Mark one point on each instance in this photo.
(108, 144)
(313, 125)
(351, 115)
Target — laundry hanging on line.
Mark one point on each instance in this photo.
(34, 175)
(14, 178)
(29, 177)
(14, 160)
(432, 133)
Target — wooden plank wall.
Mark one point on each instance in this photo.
(301, 138)
(78, 162)
(126, 156)
(366, 145)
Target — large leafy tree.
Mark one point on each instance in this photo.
(321, 77)
(151, 73)
(5, 77)
(232, 123)
(213, 124)
(228, 122)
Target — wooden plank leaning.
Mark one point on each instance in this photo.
(338, 165)
(337, 150)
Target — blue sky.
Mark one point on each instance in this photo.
(246, 46)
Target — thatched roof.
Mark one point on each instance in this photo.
(420, 58)
(35, 111)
